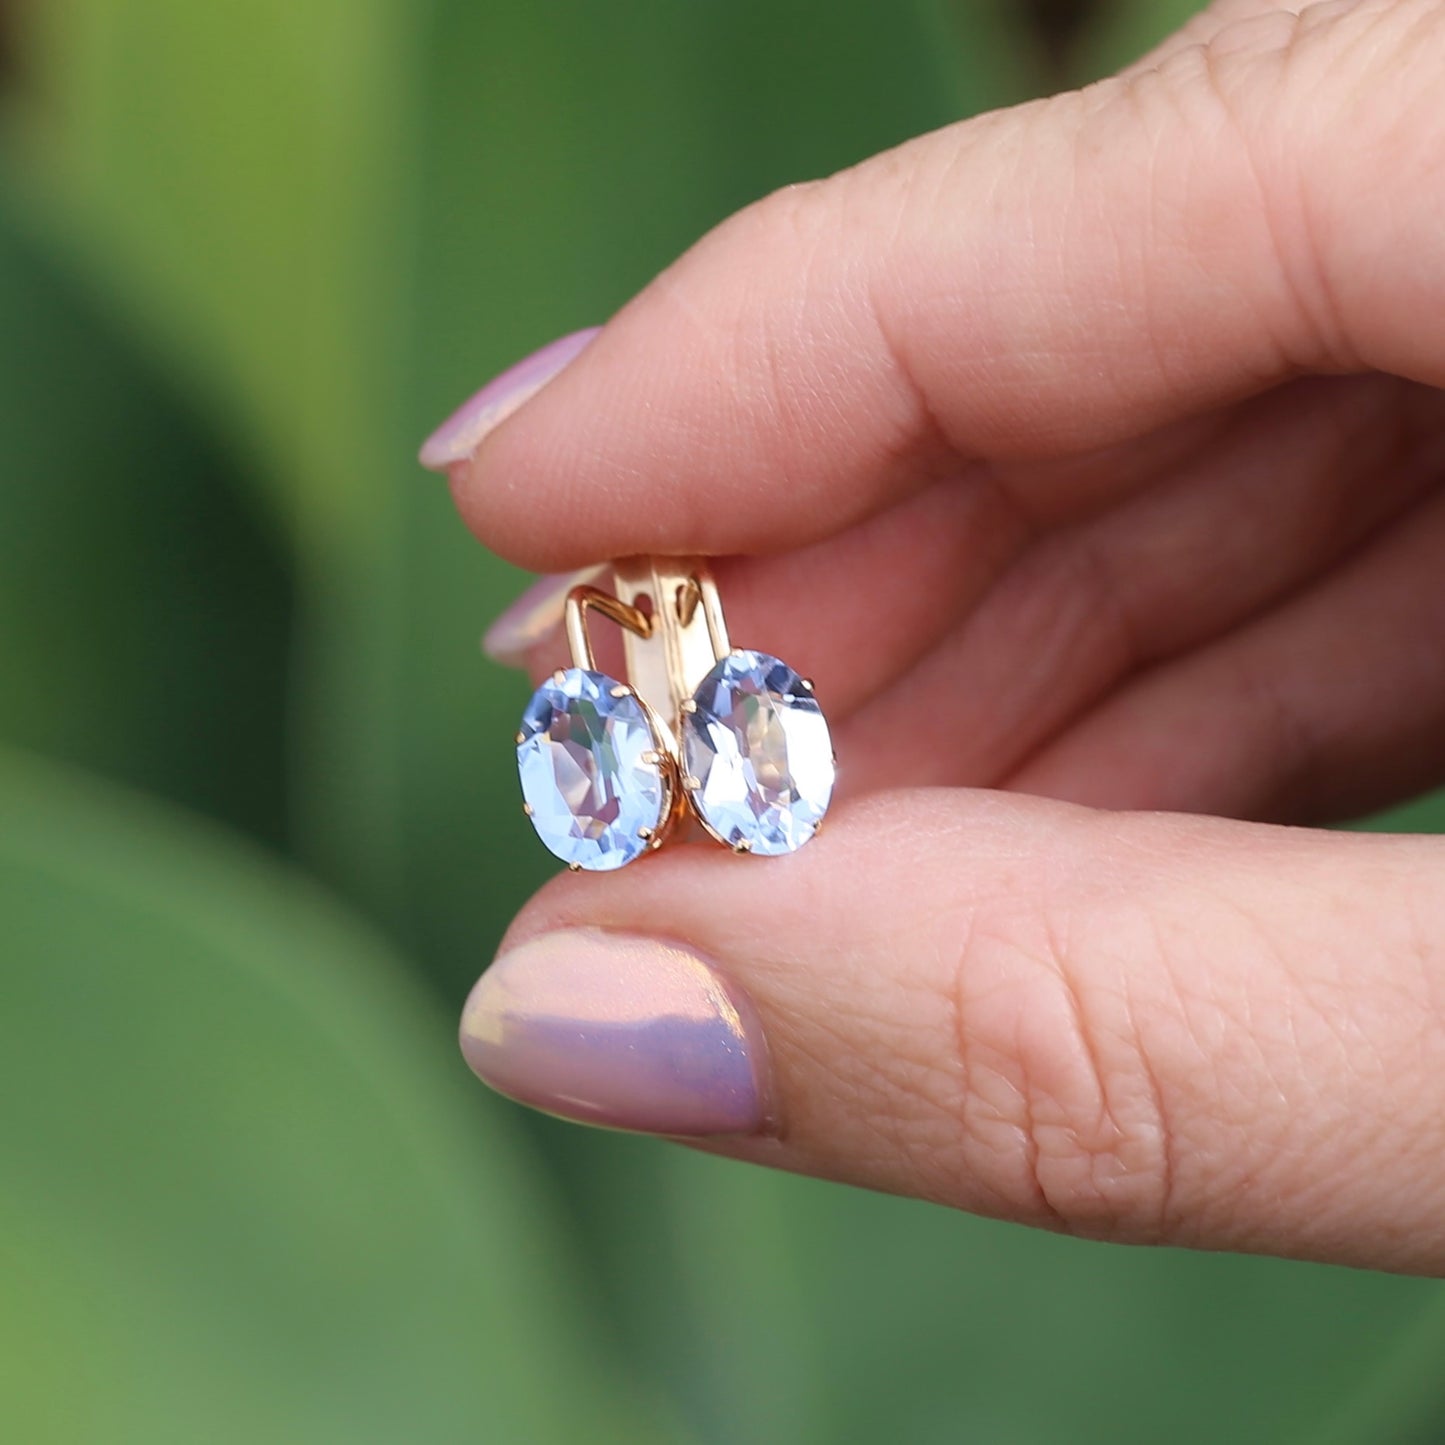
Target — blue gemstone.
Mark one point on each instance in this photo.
(593, 799)
(757, 754)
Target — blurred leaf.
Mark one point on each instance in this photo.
(239, 179)
(1403, 1400)
(249, 1194)
(336, 216)
(855, 1317)
(235, 174)
(145, 616)
(1423, 815)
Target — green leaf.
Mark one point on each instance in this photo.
(250, 1194)
(856, 1317)
(1423, 815)
(335, 217)
(235, 175)
(145, 613)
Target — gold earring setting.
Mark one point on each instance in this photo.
(735, 736)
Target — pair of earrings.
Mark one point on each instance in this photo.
(606, 777)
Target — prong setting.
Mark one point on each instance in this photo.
(591, 725)
(755, 724)
(750, 715)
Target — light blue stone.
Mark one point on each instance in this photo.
(583, 775)
(758, 750)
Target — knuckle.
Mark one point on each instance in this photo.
(1061, 1110)
(1250, 98)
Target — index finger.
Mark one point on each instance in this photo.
(1023, 285)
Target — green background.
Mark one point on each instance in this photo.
(250, 783)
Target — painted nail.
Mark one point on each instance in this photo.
(459, 436)
(534, 616)
(621, 1032)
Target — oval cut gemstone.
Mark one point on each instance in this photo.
(757, 754)
(594, 801)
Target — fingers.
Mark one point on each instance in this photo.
(1303, 477)
(1329, 707)
(859, 609)
(1025, 284)
(845, 609)
(1144, 1027)
(1007, 637)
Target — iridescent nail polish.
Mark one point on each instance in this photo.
(534, 616)
(619, 1031)
(459, 436)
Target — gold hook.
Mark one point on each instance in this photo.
(670, 648)
(579, 601)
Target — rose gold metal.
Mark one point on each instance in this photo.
(579, 601)
(638, 629)
(673, 632)
(688, 596)
(687, 634)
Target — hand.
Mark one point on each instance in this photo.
(1094, 450)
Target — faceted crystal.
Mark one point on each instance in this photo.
(758, 750)
(591, 794)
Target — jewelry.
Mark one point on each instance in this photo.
(737, 737)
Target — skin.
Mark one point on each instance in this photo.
(1106, 434)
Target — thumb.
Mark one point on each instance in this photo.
(1141, 1027)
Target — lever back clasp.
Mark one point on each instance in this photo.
(672, 644)
(582, 599)
(698, 736)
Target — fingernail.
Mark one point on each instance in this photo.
(621, 1032)
(533, 616)
(459, 436)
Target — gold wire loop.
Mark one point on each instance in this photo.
(671, 646)
(582, 599)
(717, 630)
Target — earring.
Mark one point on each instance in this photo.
(604, 776)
